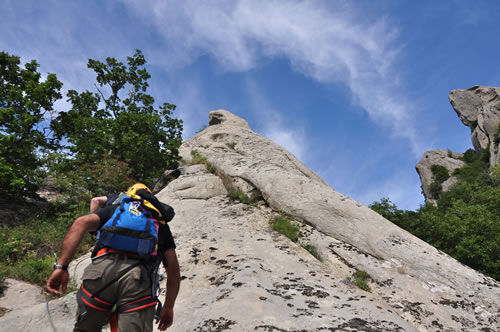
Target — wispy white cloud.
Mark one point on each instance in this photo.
(191, 105)
(324, 40)
(291, 139)
(272, 124)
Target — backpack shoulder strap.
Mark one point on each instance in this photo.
(166, 211)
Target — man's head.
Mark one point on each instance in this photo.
(134, 188)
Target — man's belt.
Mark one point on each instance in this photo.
(105, 251)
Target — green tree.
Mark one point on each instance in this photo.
(125, 125)
(466, 221)
(25, 102)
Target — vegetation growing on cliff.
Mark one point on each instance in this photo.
(439, 175)
(466, 221)
(108, 139)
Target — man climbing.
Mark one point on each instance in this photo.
(102, 201)
(120, 286)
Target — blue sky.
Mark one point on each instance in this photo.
(357, 90)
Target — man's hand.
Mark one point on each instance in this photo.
(166, 318)
(58, 278)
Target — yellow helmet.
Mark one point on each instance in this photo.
(133, 189)
(132, 192)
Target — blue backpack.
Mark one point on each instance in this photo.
(131, 229)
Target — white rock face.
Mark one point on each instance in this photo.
(30, 294)
(240, 275)
(441, 158)
(348, 230)
(26, 309)
(479, 109)
(195, 183)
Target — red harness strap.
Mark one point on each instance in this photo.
(139, 304)
(114, 251)
(113, 322)
(92, 301)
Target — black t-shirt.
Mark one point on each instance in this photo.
(165, 238)
(111, 198)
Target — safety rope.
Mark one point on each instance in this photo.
(48, 314)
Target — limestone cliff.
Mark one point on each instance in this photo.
(240, 275)
(448, 160)
(479, 109)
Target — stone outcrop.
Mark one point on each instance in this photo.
(479, 109)
(240, 275)
(449, 160)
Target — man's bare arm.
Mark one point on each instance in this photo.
(97, 202)
(74, 236)
(82, 225)
(173, 284)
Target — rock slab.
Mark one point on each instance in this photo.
(240, 275)
(479, 109)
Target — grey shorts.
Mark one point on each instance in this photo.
(134, 284)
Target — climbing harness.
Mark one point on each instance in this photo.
(85, 299)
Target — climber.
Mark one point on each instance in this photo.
(126, 280)
(101, 201)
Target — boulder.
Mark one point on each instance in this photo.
(195, 183)
(479, 109)
(165, 178)
(447, 159)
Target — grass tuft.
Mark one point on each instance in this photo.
(360, 279)
(285, 226)
(197, 158)
(241, 196)
(312, 250)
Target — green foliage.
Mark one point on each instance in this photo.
(470, 155)
(29, 249)
(211, 168)
(32, 269)
(435, 189)
(197, 158)
(312, 250)
(389, 211)
(286, 227)
(495, 174)
(360, 279)
(241, 196)
(496, 137)
(25, 102)
(79, 181)
(466, 221)
(129, 128)
(476, 169)
(439, 175)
